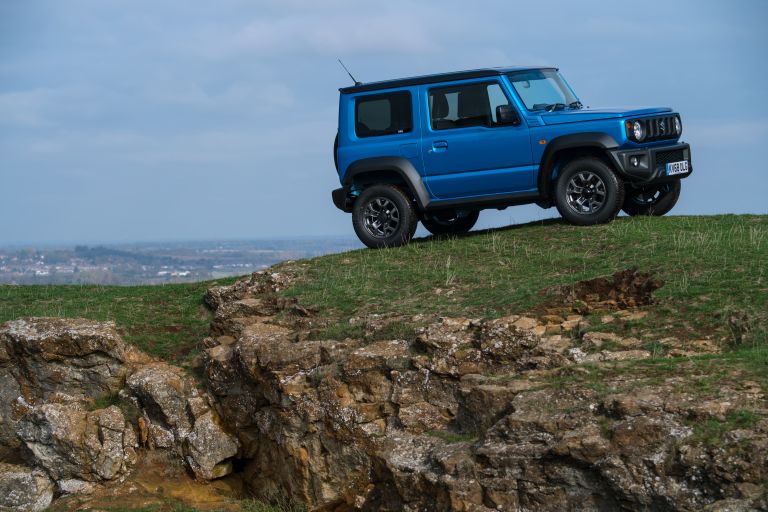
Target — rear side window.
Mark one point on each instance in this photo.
(383, 114)
(465, 105)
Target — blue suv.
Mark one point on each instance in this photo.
(440, 148)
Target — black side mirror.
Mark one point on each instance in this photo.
(506, 114)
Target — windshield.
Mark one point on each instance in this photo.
(543, 89)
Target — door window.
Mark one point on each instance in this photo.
(465, 105)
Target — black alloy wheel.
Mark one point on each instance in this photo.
(383, 216)
(588, 192)
(449, 222)
(654, 201)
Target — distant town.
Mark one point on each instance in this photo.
(154, 263)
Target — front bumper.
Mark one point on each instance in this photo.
(341, 199)
(651, 163)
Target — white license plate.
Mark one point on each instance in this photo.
(677, 168)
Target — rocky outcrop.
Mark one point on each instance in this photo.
(468, 415)
(24, 489)
(54, 371)
(258, 283)
(75, 445)
(40, 357)
(514, 413)
(176, 415)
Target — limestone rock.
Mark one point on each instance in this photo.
(209, 448)
(467, 417)
(506, 342)
(176, 415)
(257, 283)
(40, 357)
(24, 489)
(72, 443)
(76, 357)
(162, 391)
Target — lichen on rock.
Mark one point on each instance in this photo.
(24, 489)
(462, 417)
(71, 443)
(52, 373)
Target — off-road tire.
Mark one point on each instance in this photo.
(646, 202)
(383, 231)
(447, 223)
(603, 181)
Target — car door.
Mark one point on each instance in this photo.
(465, 151)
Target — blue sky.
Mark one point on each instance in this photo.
(130, 120)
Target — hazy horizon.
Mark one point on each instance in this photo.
(71, 243)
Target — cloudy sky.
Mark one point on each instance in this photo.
(125, 120)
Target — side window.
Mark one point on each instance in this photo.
(383, 114)
(465, 105)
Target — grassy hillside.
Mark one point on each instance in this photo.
(714, 270)
(710, 265)
(715, 273)
(165, 320)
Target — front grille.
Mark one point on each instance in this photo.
(673, 155)
(659, 128)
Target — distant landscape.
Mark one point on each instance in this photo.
(155, 263)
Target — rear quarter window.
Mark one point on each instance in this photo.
(383, 114)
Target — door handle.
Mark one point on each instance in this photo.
(439, 145)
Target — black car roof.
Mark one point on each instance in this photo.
(436, 78)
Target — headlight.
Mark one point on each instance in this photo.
(678, 126)
(638, 131)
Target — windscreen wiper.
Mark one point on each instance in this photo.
(555, 106)
(575, 104)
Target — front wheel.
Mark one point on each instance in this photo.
(588, 192)
(656, 200)
(449, 222)
(383, 216)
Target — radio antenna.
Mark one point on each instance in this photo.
(350, 74)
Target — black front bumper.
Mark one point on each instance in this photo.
(651, 163)
(341, 199)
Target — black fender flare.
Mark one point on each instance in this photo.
(397, 164)
(597, 140)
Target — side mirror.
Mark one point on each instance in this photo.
(506, 114)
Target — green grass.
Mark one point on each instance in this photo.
(105, 401)
(339, 331)
(167, 321)
(452, 437)
(711, 266)
(175, 505)
(711, 431)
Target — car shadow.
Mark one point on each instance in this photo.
(500, 229)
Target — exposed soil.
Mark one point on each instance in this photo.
(625, 289)
(160, 480)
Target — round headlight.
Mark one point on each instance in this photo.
(678, 126)
(638, 131)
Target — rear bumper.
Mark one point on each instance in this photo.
(341, 199)
(651, 163)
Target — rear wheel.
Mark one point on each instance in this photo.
(383, 216)
(588, 192)
(449, 221)
(656, 200)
